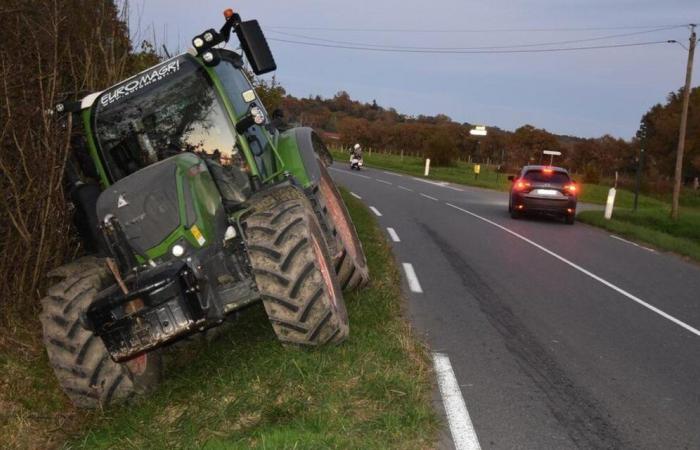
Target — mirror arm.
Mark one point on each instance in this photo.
(231, 22)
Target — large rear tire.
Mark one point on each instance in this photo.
(294, 271)
(345, 246)
(79, 359)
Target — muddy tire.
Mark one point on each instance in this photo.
(348, 256)
(294, 271)
(79, 359)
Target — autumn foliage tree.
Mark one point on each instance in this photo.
(51, 50)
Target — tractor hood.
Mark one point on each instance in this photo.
(174, 201)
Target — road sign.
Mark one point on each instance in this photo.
(552, 152)
(478, 130)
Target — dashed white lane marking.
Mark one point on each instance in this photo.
(443, 184)
(375, 211)
(638, 300)
(405, 188)
(356, 196)
(350, 173)
(383, 181)
(413, 283)
(428, 196)
(392, 173)
(463, 433)
(633, 243)
(392, 233)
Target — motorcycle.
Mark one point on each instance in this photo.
(355, 162)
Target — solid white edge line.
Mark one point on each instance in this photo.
(382, 181)
(375, 211)
(405, 188)
(413, 283)
(638, 300)
(633, 243)
(463, 434)
(356, 196)
(428, 196)
(392, 233)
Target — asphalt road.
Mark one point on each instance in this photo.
(559, 336)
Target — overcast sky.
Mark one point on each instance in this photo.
(586, 93)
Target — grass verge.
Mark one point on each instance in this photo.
(653, 227)
(243, 390)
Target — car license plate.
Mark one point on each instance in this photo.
(547, 192)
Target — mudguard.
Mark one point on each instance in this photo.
(297, 150)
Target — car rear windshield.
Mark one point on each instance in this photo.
(543, 176)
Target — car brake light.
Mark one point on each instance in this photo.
(521, 185)
(548, 170)
(571, 188)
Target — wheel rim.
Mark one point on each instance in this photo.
(138, 365)
(325, 271)
(340, 219)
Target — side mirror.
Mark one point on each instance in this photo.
(255, 46)
(511, 178)
(250, 35)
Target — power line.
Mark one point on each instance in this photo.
(544, 50)
(540, 44)
(474, 30)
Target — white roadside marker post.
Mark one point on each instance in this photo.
(610, 203)
(427, 166)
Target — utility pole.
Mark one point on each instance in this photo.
(684, 122)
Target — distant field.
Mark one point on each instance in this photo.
(650, 224)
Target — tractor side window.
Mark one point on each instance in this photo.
(238, 88)
(241, 94)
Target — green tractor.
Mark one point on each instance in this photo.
(193, 206)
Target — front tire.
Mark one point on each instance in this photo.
(79, 359)
(294, 271)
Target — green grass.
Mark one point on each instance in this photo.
(461, 172)
(244, 390)
(654, 227)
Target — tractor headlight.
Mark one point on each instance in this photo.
(198, 42)
(208, 36)
(177, 250)
(208, 57)
(258, 116)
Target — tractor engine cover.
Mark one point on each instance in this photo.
(175, 199)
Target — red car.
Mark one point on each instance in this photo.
(543, 189)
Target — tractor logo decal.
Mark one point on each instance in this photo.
(140, 82)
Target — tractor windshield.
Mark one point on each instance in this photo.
(159, 113)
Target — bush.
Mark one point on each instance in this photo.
(591, 174)
(441, 148)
